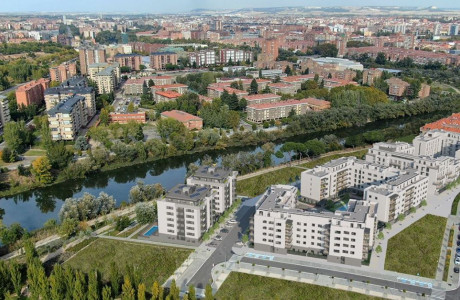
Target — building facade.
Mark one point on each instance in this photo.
(133, 61)
(33, 92)
(91, 55)
(159, 60)
(190, 121)
(64, 71)
(203, 58)
(67, 118)
(235, 56)
(280, 226)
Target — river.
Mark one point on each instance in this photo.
(32, 208)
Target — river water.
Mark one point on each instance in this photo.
(32, 208)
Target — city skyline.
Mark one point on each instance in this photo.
(180, 6)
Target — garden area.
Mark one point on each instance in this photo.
(255, 186)
(416, 249)
(454, 208)
(247, 286)
(149, 261)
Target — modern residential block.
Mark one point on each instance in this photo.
(159, 60)
(67, 118)
(64, 71)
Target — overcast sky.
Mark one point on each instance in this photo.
(172, 6)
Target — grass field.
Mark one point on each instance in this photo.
(407, 138)
(152, 262)
(416, 249)
(255, 186)
(247, 286)
(35, 152)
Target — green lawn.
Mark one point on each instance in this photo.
(453, 210)
(408, 138)
(247, 286)
(255, 186)
(35, 152)
(416, 249)
(153, 262)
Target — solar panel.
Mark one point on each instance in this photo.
(194, 195)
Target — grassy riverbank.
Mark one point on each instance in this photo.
(256, 185)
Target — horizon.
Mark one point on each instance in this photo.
(187, 6)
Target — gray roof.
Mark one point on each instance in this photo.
(76, 81)
(106, 72)
(162, 53)
(126, 55)
(66, 106)
(190, 193)
(69, 90)
(404, 176)
(212, 173)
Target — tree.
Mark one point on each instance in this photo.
(17, 136)
(59, 156)
(131, 107)
(79, 291)
(115, 278)
(191, 292)
(81, 143)
(122, 222)
(242, 104)
(254, 87)
(68, 227)
(155, 290)
(174, 291)
(41, 169)
(141, 292)
(93, 285)
(104, 117)
(288, 71)
(107, 293)
(145, 192)
(378, 249)
(128, 292)
(145, 213)
(380, 235)
(8, 156)
(381, 58)
(208, 293)
(151, 83)
(57, 283)
(12, 234)
(16, 276)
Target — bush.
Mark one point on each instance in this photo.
(23, 171)
(122, 223)
(401, 217)
(8, 156)
(145, 213)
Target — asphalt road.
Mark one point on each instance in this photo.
(224, 248)
(453, 295)
(339, 274)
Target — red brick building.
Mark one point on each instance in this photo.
(132, 61)
(139, 117)
(64, 71)
(32, 92)
(190, 121)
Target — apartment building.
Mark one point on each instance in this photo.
(341, 175)
(160, 80)
(67, 118)
(64, 71)
(277, 110)
(370, 75)
(280, 226)
(135, 87)
(91, 55)
(159, 60)
(107, 76)
(163, 96)
(216, 92)
(133, 61)
(5, 116)
(203, 58)
(32, 92)
(55, 95)
(261, 84)
(175, 87)
(190, 121)
(235, 56)
(297, 80)
(399, 195)
(262, 98)
(439, 170)
(221, 181)
(282, 88)
(397, 87)
(185, 213)
(330, 83)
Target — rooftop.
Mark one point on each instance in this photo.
(190, 193)
(66, 106)
(180, 116)
(168, 86)
(69, 90)
(451, 124)
(168, 94)
(212, 173)
(261, 96)
(163, 53)
(284, 103)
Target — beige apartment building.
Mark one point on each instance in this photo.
(106, 76)
(279, 226)
(55, 95)
(159, 60)
(67, 118)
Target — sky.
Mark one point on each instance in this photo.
(174, 6)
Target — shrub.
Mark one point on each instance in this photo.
(122, 222)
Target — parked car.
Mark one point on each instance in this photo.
(458, 251)
(225, 230)
(456, 270)
(232, 221)
(458, 237)
(458, 243)
(218, 238)
(457, 260)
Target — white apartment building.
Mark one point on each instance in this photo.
(203, 58)
(344, 236)
(440, 170)
(185, 213)
(437, 143)
(5, 116)
(67, 118)
(235, 55)
(398, 195)
(329, 180)
(106, 76)
(221, 181)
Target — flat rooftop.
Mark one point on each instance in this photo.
(190, 193)
(212, 173)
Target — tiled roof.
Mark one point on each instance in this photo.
(261, 96)
(180, 116)
(279, 104)
(168, 94)
(451, 124)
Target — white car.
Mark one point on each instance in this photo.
(457, 260)
(218, 238)
(232, 221)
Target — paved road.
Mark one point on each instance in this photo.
(224, 249)
(339, 274)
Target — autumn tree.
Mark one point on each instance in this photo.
(41, 169)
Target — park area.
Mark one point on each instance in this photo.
(247, 286)
(151, 262)
(257, 185)
(416, 249)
